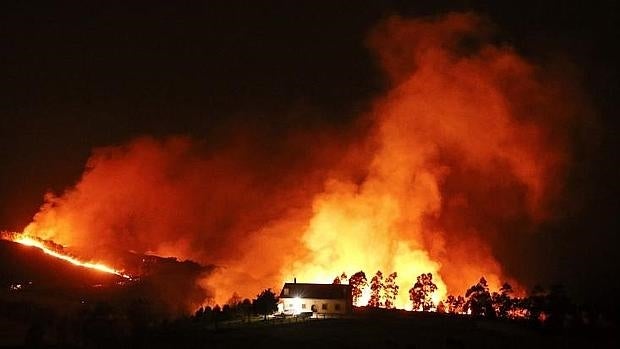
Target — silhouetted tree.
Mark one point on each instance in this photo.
(234, 307)
(376, 289)
(227, 312)
(536, 303)
(234, 300)
(558, 306)
(340, 279)
(502, 303)
(246, 309)
(199, 314)
(422, 291)
(455, 305)
(441, 308)
(216, 315)
(207, 314)
(390, 290)
(358, 282)
(451, 304)
(479, 299)
(461, 304)
(265, 303)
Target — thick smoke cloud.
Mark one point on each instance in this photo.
(467, 147)
(469, 151)
(236, 206)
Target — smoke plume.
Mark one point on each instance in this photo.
(469, 142)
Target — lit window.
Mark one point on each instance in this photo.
(285, 291)
(324, 306)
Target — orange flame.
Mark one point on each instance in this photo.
(26, 240)
(468, 145)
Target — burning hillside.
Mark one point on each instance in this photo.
(56, 251)
(469, 143)
(25, 268)
(40, 270)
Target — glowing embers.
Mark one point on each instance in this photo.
(40, 244)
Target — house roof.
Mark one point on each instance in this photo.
(319, 291)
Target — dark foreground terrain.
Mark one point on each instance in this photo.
(361, 331)
(394, 332)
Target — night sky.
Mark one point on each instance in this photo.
(80, 75)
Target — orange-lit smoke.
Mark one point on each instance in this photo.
(464, 145)
(180, 197)
(469, 139)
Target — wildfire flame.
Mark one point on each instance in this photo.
(26, 240)
(468, 145)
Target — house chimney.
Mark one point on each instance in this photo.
(294, 280)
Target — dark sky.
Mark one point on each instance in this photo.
(82, 74)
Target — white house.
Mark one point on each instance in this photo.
(296, 298)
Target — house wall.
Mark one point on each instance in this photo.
(323, 306)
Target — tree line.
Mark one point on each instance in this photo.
(264, 304)
(549, 306)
